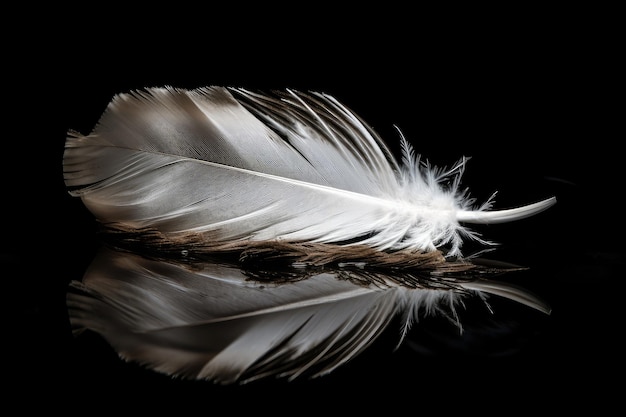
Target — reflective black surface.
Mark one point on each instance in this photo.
(535, 124)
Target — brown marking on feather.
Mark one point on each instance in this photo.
(279, 261)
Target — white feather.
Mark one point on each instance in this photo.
(231, 165)
(214, 322)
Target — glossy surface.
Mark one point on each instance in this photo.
(531, 135)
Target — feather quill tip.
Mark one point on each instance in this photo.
(506, 215)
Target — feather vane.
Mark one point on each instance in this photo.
(234, 165)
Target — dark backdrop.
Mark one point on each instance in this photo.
(534, 104)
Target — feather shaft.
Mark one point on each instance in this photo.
(506, 215)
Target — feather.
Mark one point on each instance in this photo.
(218, 322)
(264, 235)
(229, 165)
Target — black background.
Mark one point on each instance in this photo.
(533, 98)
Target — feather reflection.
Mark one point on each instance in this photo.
(226, 323)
